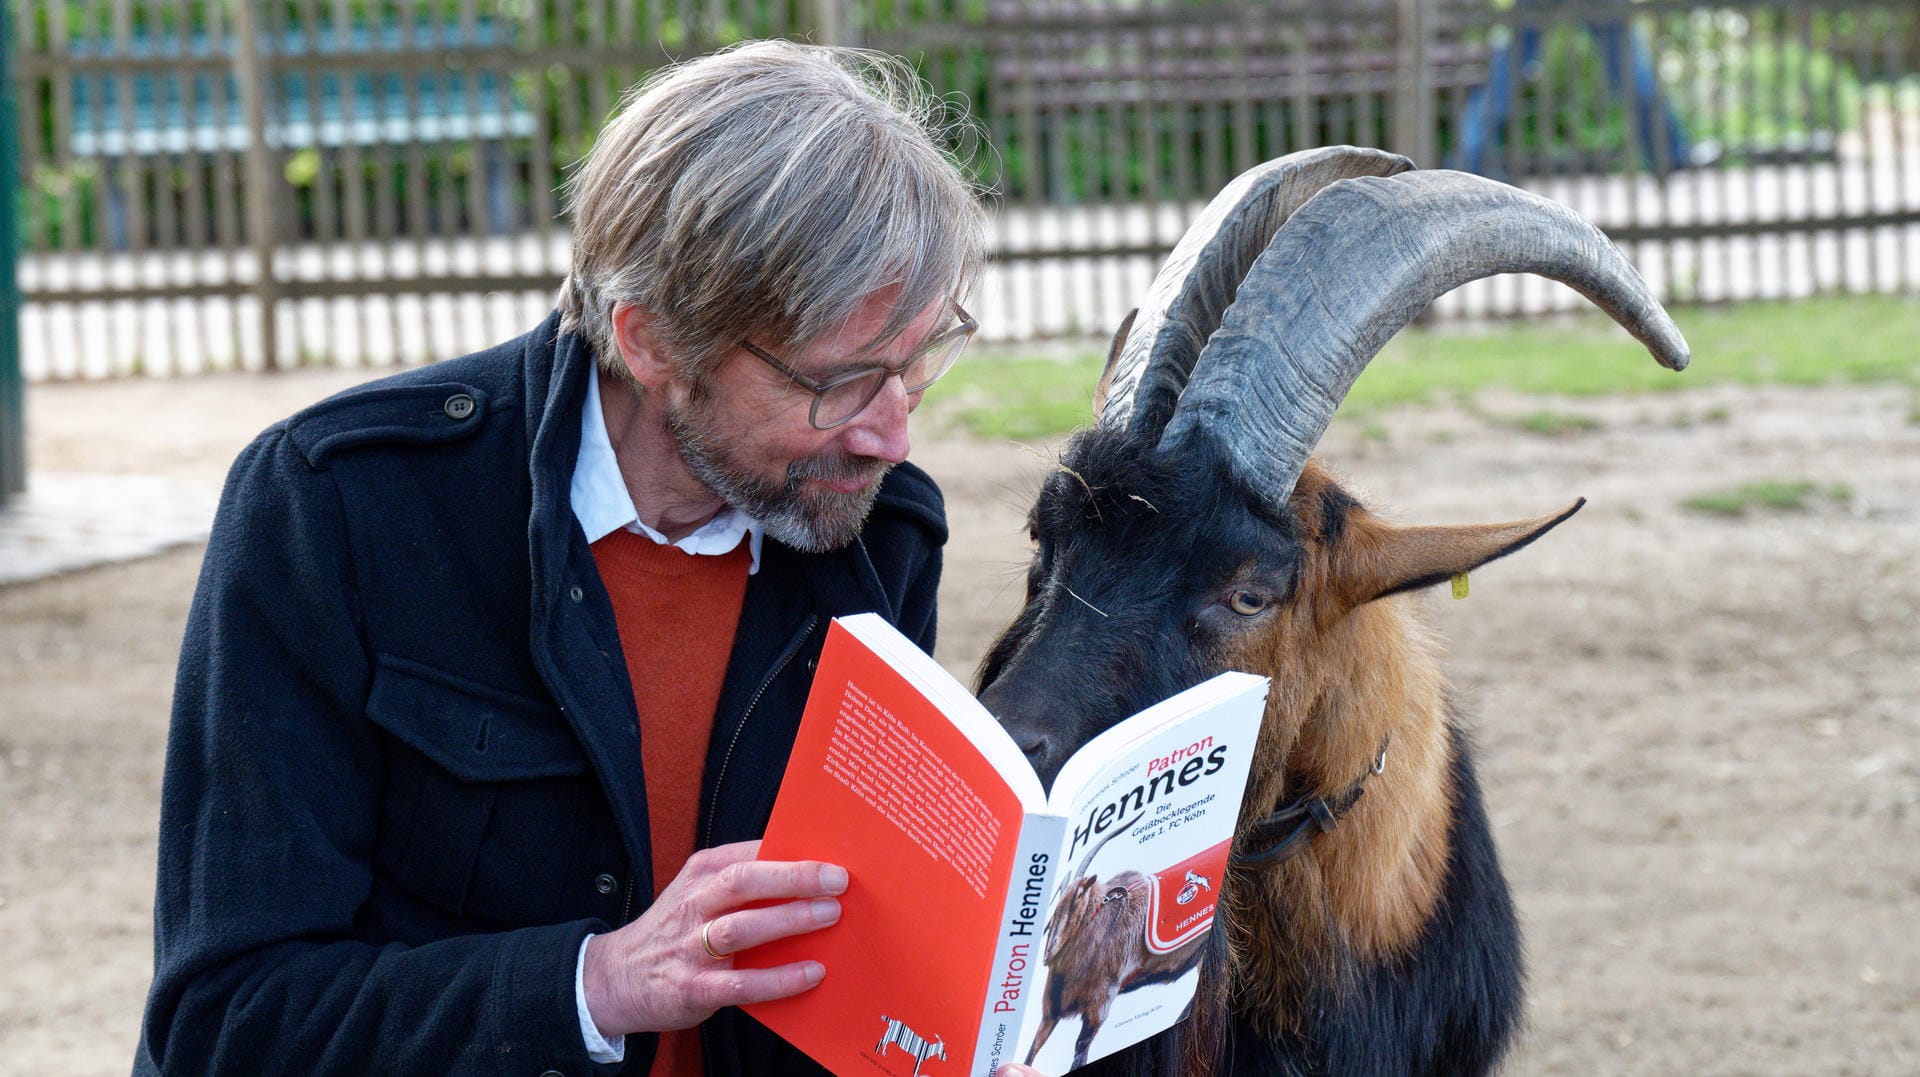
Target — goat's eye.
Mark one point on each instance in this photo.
(1246, 603)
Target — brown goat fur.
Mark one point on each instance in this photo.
(1354, 669)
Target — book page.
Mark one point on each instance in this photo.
(883, 784)
(1150, 808)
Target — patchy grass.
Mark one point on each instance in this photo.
(1550, 424)
(1685, 419)
(1000, 393)
(1007, 396)
(1766, 495)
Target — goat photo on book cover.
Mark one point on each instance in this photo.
(1108, 935)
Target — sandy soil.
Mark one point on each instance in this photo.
(1700, 736)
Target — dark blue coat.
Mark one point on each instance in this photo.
(403, 777)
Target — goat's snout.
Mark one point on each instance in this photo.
(1034, 742)
(1037, 742)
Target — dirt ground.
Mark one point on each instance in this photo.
(1700, 735)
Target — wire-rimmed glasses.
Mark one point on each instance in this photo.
(843, 396)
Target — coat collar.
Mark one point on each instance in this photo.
(603, 504)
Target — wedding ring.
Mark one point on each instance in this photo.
(706, 943)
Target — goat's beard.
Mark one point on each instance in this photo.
(812, 521)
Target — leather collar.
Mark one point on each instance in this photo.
(1295, 822)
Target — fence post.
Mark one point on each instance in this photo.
(262, 186)
(13, 402)
(1413, 106)
(833, 23)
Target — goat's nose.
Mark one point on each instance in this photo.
(1033, 742)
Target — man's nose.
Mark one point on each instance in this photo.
(880, 430)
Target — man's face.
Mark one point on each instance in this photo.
(743, 431)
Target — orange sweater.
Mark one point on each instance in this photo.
(676, 613)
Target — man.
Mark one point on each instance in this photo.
(483, 653)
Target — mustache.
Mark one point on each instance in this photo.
(835, 467)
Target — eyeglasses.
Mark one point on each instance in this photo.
(843, 396)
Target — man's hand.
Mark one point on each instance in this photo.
(654, 974)
(1015, 1069)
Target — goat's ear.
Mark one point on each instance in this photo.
(1378, 559)
(1113, 359)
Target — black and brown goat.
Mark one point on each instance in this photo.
(1188, 532)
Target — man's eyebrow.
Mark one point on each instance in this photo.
(847, 366)
(872, 362)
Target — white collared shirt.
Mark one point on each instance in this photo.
(603, 505)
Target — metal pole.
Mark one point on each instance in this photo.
(261, 185)
(13, 404)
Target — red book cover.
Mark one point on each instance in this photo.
(908, 805)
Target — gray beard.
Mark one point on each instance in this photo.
(811, 523)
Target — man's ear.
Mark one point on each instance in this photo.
(639, 347)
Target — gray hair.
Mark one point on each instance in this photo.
(764, 191)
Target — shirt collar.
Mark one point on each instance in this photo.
(602, 504)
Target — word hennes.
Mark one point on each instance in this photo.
(1135, 800)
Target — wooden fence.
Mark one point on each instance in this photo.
(212, 184)
(13, 404)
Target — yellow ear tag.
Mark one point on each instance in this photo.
(1460, 586)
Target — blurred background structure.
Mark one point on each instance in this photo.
(13, 459)
(210, 184)
(1700, 720)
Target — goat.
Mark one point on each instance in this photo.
(1096, 948)
(918, 1047)
(1356, 935)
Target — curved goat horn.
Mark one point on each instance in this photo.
(1202, 274)
(1347, 272)
(1087, 860)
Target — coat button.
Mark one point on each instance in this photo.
(458, 406)
(553, 1073)
(813, 663)
(605, 883)
(576, 593)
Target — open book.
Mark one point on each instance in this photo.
(979, 908)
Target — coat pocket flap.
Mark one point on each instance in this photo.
(479, 734)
